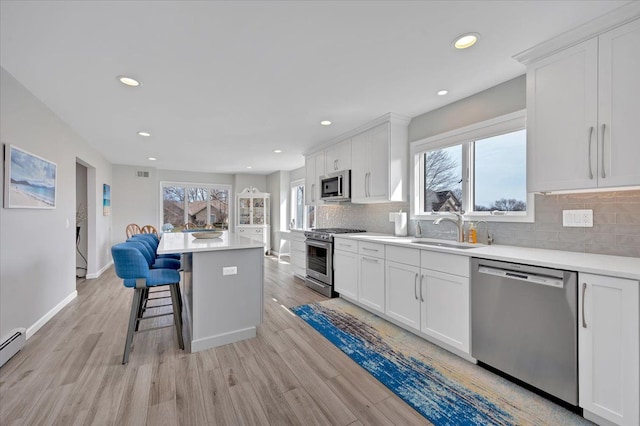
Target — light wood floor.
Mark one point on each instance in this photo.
(70, 371)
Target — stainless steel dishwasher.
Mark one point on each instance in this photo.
(524, 323)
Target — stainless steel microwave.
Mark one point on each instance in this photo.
(336, 186)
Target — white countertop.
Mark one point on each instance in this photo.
(616, 266)
(185, 242)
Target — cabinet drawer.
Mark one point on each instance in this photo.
(346, 244)
(371, 249)
(443, 262)
(408, 256)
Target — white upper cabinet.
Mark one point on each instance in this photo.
(582, 114)
(379, 170)
(314, 169)
(338, 157)
(619, 106)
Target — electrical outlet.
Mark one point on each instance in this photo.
(230, 270)
(577, 218)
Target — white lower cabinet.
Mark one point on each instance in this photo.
(371, 288)
(345, 273)
(261, 234)
(609, 345)
(371, 275)
(402, 293)
(445, 308)
(298, 253)
(422, 294)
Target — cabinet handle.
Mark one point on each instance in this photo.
(368, 259)
(421, 298)
(335, 164)
(602, 173)
(584, 293)
(370, 249)
(589, 148)
(367, 185)
(313, 192)
(415, 286)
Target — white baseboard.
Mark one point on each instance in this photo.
(222, 339)
(100, 272)
(46, 317)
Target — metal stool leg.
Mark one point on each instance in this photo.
(133, 319)
(177, 314)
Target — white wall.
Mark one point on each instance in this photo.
(133, 199)
(243, 181)
(37, 247)
(278, 187)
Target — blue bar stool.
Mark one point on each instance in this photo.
(153, 238)
(150, 254)
(133, 268)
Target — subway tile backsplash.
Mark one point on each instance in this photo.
(616, 223)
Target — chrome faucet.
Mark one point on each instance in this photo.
(458, 221)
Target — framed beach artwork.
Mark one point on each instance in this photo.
(106, 199)
(29, 180)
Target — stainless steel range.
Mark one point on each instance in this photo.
(319, 245)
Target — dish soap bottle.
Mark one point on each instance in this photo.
(473, 233)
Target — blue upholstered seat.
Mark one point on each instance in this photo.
(132, 265)
(155, 241)
(149, 253)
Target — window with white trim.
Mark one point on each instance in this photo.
(478, 170)
(302, 217)
(199, 204)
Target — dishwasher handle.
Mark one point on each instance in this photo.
(522, 276)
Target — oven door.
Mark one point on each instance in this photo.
(320, 260)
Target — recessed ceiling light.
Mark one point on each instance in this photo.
(442, 92)
(277, 151)
(145, 134)
(152, 158)
(325, 123)
(128, 81)
(249, 167)
(465, 40)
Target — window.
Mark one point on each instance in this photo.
(200, 204)
(479, 170)
(302, 216)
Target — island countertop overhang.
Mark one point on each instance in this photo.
(185, 242)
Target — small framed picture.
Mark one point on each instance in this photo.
(106, 200)
(30, 181)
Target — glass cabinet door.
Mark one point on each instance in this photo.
(244, 211)
(258, 211)
(267, 209)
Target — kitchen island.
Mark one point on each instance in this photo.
(222, 287)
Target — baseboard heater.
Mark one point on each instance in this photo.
(12, 344)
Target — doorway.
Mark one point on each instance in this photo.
(82, 209)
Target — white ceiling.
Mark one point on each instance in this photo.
(226, 83)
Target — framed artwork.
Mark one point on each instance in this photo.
(106, 200)
(30, 181)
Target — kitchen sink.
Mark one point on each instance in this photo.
(448, 244)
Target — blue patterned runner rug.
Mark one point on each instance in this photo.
(444, 388)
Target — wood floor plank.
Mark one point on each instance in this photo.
(311, 355)
(270, 396)
(163, 414)
(357, 402)
(332, 407)
(189, 399)
(305, 408)
(135, 397)
(247, 405)
(219, 408)
(400, 413)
